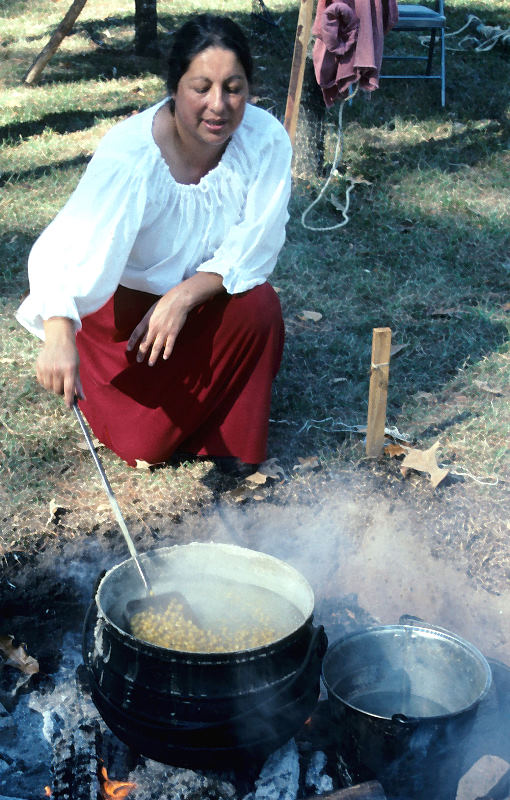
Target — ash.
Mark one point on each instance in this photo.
(317, 781)
(28, 734)
(279, 777)
(156, 781)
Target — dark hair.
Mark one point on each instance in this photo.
(199, 33)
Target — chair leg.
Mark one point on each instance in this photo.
(443, 69)
(431, 52)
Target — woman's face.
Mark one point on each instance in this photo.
(211, 97)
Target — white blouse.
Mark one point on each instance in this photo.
(129, 222)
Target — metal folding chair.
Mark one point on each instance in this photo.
(418, 18)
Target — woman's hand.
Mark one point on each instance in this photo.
(57, 366)
(159, 328)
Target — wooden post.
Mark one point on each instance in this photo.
(34, 73)
(297, 70)
(378, 393)
(371, 790)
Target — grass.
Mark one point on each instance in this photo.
(425, 252)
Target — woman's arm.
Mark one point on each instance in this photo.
(58, 363)
(159, 328)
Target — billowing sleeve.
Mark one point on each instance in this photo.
(75, 265)
(248, 253)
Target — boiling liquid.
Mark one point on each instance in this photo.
(388, 703)
(228, 616)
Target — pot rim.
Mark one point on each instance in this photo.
(230, 550)
(436, 632)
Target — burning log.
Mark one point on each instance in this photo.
(370, 790)
(115, 789)
(74, 765)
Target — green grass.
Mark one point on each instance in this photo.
(425, 252)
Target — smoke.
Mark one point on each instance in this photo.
(375, 550)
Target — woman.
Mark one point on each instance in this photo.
(149, 288)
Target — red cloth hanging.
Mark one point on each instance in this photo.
(349, 44)
(212, 397)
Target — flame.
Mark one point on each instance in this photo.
(115, 789)
(47, 791)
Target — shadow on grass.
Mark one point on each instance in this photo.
(62, 122)
(14, 249)
(39, 172)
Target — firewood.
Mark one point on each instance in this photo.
(371, 790)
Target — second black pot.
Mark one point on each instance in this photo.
(403, 699)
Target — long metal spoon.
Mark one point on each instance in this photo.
(156, 603)
(113, 500)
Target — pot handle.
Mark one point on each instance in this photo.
(86, 631)
(410, 619)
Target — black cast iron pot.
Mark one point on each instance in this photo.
(202, 709)
(403, 699)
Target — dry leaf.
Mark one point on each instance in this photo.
(429, 397)
(394, 450)
(17, 656)
(305, 464)
(486, 388)
(84, 445)
(272, 469)
(396, 348)
(140, 464)
(6, 361)
(313, 316)
(358, 179)
(240, 494)
(446, 312)
(505, 307)
(335, 202)
(55, 511)
(256, 478)
(424, 461)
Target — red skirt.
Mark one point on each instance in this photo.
(212, 397)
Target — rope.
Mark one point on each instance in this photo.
(492, 34)
(334, 172)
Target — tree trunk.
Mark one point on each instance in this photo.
(146, 28)
(34, 73)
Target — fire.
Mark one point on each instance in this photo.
(116, 790)
(47, 791)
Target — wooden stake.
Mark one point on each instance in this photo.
(34, 73)
(297, 70)
(378, 393)
(371, 790)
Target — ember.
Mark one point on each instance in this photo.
(115, 789)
